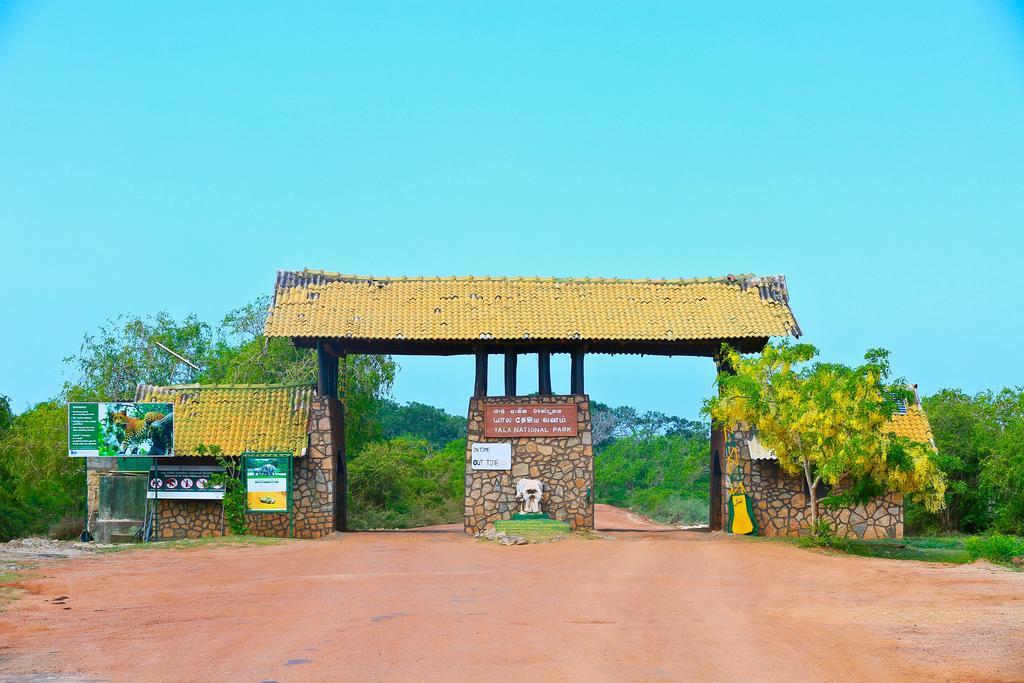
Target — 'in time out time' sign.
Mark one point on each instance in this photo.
(535, 419)
(491, 456)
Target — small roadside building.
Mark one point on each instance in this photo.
(780, 499)
(236, 419)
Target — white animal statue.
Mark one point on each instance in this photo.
(528, 493)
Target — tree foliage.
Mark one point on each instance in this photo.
(981, 450)
(420, 420)
(608, 423)
(827, 422)
(39, 483)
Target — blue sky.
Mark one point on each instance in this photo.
(874, 154)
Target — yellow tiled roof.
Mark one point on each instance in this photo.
(914, 425)
(318, 304)
(238, 418)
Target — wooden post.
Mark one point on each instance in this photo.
(480, 385)
(717, 517)
(576, 382)
(544, 373)
(326, 370)
(510, 372)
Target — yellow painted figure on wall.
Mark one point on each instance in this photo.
(741, 511)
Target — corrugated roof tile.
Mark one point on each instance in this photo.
(237, 418)
(318, 304)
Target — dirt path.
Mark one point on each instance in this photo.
(609, 518)
(441, 606)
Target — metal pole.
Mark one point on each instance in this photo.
(291, 508)
(86, 534)
(156, 499)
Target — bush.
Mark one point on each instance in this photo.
(676, 509)
(404, 482)
(994, 547)
(69, 528)
(825, 536)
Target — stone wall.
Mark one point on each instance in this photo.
(780, 502)
(564, 464)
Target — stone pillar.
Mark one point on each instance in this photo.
(315, 473)
(564, 464)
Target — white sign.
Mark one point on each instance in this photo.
(491, 456)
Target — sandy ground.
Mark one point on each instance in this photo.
(650, 604)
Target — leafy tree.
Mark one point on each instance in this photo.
(39, 483)
(112, 362)
(981, 451)
(965, 442)
(1003, 471)
(609, 423)
(6, 416)
(421, 421)
(827, 422)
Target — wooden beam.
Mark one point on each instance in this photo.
(706, 348)
(480, 385)
(511, 359)
(326, 370)
(544, 372)
(576, 379)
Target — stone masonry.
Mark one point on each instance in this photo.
(780, 502)
(564, 464)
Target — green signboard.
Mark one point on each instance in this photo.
(109, 430)
(268, 482)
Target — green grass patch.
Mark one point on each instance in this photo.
(186, 543)
(923, 550)
(949, 549)
(995, 547)
(534, 530)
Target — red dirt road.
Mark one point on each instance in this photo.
(441, 606)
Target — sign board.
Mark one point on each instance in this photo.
(184, 482)
(535, 419)
(268, 482)
(491, 456)
(120, 430)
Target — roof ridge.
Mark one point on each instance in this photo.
(335, 276)
(179, 387)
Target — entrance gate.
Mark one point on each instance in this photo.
(339, 315)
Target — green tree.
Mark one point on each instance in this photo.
(6, 416)
(39, 483)
(827, 422)
(1003, 471)
(965, 442)
(421, 421)
(122, 354)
